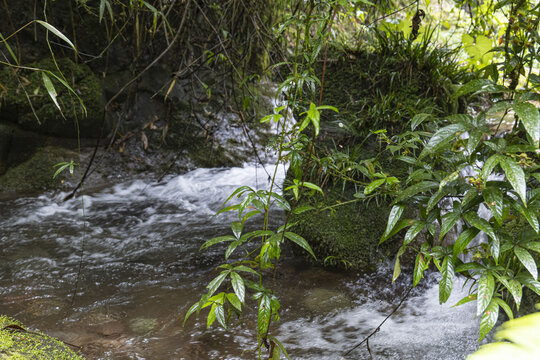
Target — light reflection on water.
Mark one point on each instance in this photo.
(142, 270)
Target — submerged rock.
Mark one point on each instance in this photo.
(142, 325)
(320, 300)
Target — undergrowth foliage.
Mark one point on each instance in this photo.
(477, 179)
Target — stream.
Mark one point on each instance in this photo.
(141, 270)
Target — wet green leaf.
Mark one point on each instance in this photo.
(393, 218)
(529, 116)
(442, 137)
(464, 239)
(486, 287)
(447, 282)
(238, 286)
(216, 282)
(413, 231)
(527, 260)
(516, 177)
(300, 241)
(373, 185)
(488, 319)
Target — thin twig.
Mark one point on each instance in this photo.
(381, 324)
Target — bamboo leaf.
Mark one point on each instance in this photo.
(50, 89)
(56, 32)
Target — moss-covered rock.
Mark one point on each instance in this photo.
(27, 103)
(19, 343)
(345, 235)
(37, 172)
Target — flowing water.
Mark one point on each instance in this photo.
(141, 270)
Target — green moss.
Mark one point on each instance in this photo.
(347, 233)
(37, 172)
(17, 108)
(18, 344)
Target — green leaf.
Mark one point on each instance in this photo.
(300, 241)
(373, 185)
(397, 265)
(486, 287)
(263, 315)
(420, 187)
(413, 231)
(211, 316)
(303, 208)
(233, 299)
(442, 137)
(527, 260)
(418, 119)
(50, 89)
(192, 309)
(237, 227)
(312, 186)
(448, 221)
(216, 282)
(220, 314)
(465, 300)
(280, 345)
(246, 269)
(529, 116)
(56, 32)
(494, 200)
(504, 306)
(395, 214)
(238, 286)
(315, 116)
(488, 319)
(453, 176)
(489, 165)
(231, 248)
(516, 177)
(528, 214)
(447, 282)
(533, 245)
(420, 265)
(216, 240)
(481, 224)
